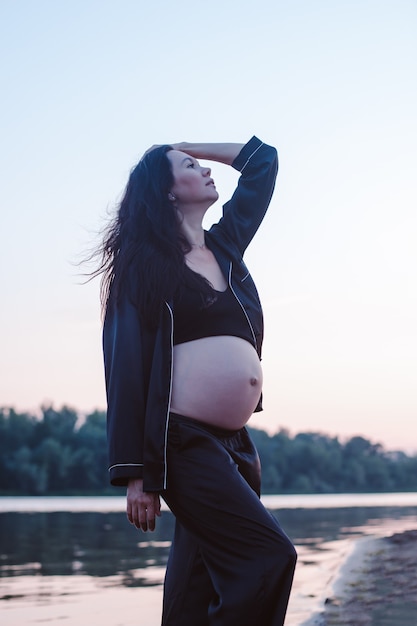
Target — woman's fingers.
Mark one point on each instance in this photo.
(149, 512)
(150, 518)
(142, 507)
(157, 504)
(143, 518)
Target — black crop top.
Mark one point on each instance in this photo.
(194, 319)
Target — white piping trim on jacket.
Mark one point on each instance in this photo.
(125, 465)
(241, 305)
(249, 158)
(169, 398)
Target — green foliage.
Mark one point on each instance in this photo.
(316, 463)
(60, 452)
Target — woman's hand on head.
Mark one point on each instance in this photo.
(221, 152)
(182, 146)
(142, 507)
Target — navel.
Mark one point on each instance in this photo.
(253, 381)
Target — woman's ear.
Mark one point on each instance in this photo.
(171, 197)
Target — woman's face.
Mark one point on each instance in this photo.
(193, 185)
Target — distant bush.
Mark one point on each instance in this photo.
(58, 452)
(62, 452)
(316, 463)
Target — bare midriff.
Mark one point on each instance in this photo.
(217, 380)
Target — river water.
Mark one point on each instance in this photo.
(78, 560)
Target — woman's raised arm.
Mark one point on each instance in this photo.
(221, 152)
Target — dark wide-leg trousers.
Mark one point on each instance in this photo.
(230, 563)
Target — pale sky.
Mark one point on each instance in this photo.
(88, 85)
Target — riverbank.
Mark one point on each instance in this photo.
(377, 585)
(88, 565)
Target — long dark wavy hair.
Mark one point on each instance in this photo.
(142, 251)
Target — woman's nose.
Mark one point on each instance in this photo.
(207, 171)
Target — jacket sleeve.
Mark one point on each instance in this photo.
(243, 214)
(123, 348)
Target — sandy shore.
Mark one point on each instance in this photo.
(376, 586)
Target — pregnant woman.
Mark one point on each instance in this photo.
(182, 343)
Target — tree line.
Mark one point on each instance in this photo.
(62, 452)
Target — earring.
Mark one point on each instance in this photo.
(171, 197)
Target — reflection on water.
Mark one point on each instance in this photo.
(105, 544)
(317, 526)
(64, 543)
(84, 563)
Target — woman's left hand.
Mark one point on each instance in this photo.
(142, 506)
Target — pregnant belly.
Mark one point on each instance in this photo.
(217, 380)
